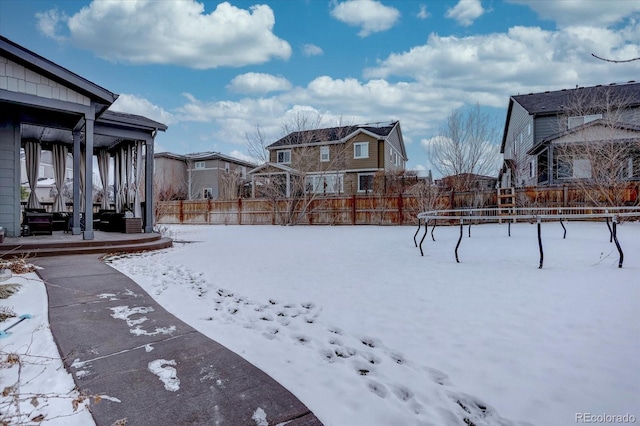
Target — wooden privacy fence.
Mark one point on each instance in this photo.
(361, 209)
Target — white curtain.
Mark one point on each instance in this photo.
(59, 154)
(103, 169)
(128, 171)
(121, 179)
(32, 152)
(137, 205)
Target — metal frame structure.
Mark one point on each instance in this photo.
(529, 214)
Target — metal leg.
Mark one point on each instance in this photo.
(615, 238)
(459, 240)
(509, 227)
(426, 228)
(433, 229)
(416, 234)
(469, 229)
(540, 245)
(610, 231)
(565, 230)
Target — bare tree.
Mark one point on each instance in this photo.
(599, 148)
(466, 145)
(309, 176)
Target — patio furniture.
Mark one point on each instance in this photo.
(112, 222)
(38, 223)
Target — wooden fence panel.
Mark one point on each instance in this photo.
(361, 209)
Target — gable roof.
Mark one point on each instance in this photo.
(202, 156)
(553, 102)
(55, 72)
(332, 135)
(275, 166)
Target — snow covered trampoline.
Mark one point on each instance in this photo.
(611, 215)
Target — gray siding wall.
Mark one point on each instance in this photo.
(520, 136)
(10, 179)
(204, 178)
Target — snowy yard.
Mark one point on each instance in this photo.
(365, 331)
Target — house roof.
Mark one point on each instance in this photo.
(275, 166)
(55, 72)
(599, 122)
(202, 156)
(332, 134)
(554, 102)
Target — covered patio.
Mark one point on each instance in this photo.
(45, 106)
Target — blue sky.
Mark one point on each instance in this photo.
(214, 71)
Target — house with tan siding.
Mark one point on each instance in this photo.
(331, 161)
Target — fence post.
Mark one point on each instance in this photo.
(181, 212)
(353, 209)
(239, 211)
(400, 215)
(565, 195)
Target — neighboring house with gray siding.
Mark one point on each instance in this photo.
(332, 161)
(204, 175)
(540, 125)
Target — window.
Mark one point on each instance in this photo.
(244, 172)
(576, 168)
(207, 193)
(324, 153)
(361, 150)
(324, 184)
(199, 165)
(227, 167)
(365, 182)
(582, 119)
(284, 156)
(532, 168)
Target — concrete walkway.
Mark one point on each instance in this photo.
(156, 370)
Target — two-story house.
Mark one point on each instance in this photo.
(204, 175)
(548, 137)
(331, 161)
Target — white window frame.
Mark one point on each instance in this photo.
(580, 168)
(360, 189)
(532, 168)
(199, 165)
(227, 167)
(324, 153)
(364, 150)
(579, 120)
(204, 193)
(316, 183)
(285, 153)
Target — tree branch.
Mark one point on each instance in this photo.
(615, 61)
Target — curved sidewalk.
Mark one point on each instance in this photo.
(155, 369)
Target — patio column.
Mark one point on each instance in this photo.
(76, 229)
(148, 186)
(550, 165)
(88, 184)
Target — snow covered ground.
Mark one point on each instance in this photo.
(364, 330)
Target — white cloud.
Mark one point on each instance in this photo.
(174, 32)
(423, 13)
(311, 50)
(258, 83)
(488, 68)
(133, 104)
(49, 22)
(243, 156)
(465, 12)
(370, 15)
(583, 13)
